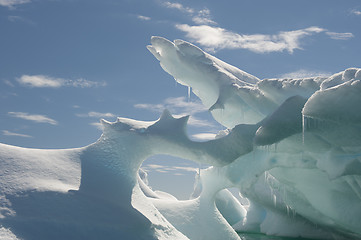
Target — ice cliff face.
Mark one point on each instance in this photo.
(293, 150)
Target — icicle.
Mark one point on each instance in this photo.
(288, 210)
(242, 113)
(266, 178)
(303, 129)
(222, 113)
(274, 200)
(189, 93)
(255, 148)
(293, 213)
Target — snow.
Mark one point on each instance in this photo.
(292, 148)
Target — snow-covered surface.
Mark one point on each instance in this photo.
(292, 148)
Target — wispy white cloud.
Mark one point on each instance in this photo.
(303, 73)
(151, 107)
(9, 83)
(185, 106)
(33, 117)
(340, 36)
(96, 115)
(204, 136)
(195, 121)
(98, 125)
(144, 18)
(169, 169)
(178, 6)
(180, 107)
(8, 133)
(355, 12)
(202, 16)
(15, 19)
(12, 3)
(216, 38)
(42, 81)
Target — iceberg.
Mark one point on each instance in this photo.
(292, 148)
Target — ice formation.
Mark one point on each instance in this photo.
(292, 148)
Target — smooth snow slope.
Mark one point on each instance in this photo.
(293, 149)
(41, 197)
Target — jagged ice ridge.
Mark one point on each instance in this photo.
(292, 148)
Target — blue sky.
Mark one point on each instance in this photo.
(66, 64)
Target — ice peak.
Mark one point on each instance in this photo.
(125, 124)
(189, 49)
(167, 123)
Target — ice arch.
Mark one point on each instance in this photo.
(292, 147)
(112, 198)
(117, 156)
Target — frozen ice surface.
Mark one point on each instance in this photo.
(292, 149)
(305, 141)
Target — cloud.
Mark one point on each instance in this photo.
(98, 125)
(203, 17)
(340, 36)
(169, 169)
(144, 18)
(42, 81)
(8, 133)
(356, 12)
(33, 117)
(151, 107)
(188, 107)
(96, 115)
(179, 107)
(303, 73)
(204, 136)
(216, 38)
(12, 3)
(196, 122)
(20, 19)
(15, 18)
(198, 16)
(9, 83)
(178, 6)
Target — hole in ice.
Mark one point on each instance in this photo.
(172, 175)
